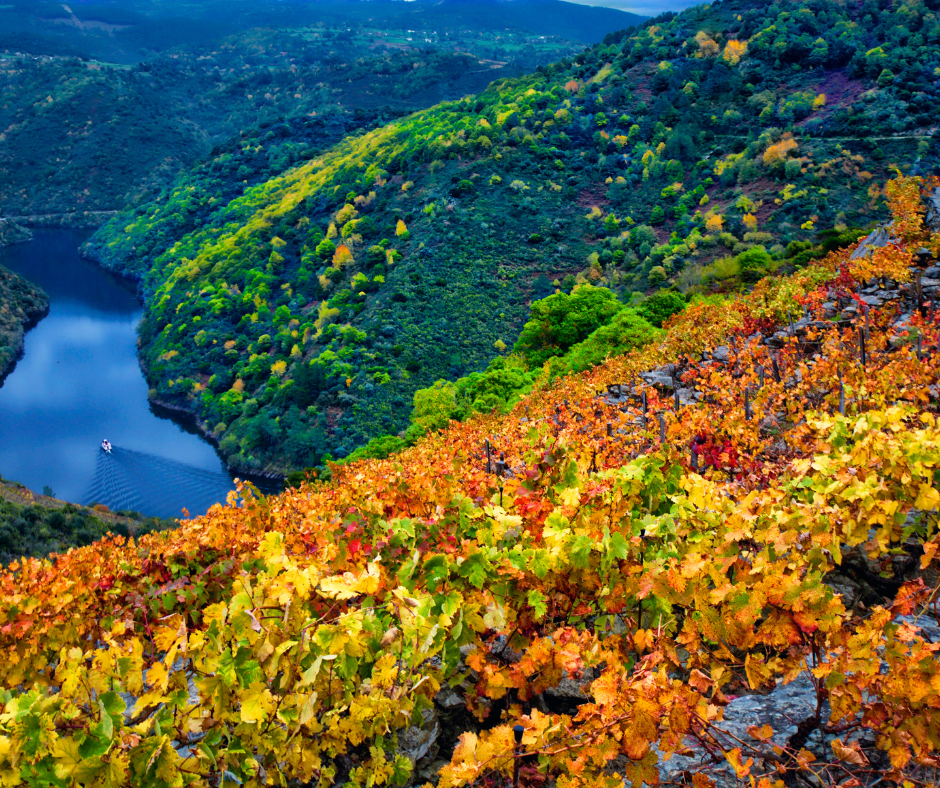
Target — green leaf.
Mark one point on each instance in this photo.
(450, 603)
(437, 571)
(619, 547)
(537, 602)
(226, 668)
(540, 563)
(581, 550)
(474, 570)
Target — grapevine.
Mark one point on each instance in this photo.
(663, 558)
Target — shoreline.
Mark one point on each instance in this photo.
(29, 304)
(12, 232)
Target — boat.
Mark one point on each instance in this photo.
(106, 446)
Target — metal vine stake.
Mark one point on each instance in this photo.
(841, 395)
(517, 732)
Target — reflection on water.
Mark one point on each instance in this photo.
(79, 382)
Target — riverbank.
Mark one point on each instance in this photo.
(13, 233)
(76, 220)
(186, 418)
(22, 305)
(40, 526)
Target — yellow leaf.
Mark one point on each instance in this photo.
(927, 498)
(257, 703)
(851, 753)
(348, 585)
(742, 770)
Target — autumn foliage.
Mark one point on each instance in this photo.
(666, 559)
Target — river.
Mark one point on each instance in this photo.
(79, 382)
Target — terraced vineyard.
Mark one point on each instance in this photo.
(661, 550)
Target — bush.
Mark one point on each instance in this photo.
(378, 448)
(657, 276)
(498, 388)
(754, 264)
(434, 406)
(561, 321)
(628, 330)
(661, 306)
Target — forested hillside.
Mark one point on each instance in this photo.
(33, 526)
(21, 303)
(600, 589)
(706, 149)
(78, 136)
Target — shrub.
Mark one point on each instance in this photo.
(560, 321)
(754, 263)
(657, 276)
(661, 306)
(434, 406)
(628, 330)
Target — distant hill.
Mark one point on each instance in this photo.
(82, 136)
(135, 31)
(541, 17)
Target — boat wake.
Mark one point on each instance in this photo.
(154, 486)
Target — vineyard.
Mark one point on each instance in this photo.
(659, 536)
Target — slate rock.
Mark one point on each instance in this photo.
(932, 220)
(418, 742)
(878, 238)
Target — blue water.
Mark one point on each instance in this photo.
(79, 381)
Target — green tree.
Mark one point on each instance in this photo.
(325, 249)
(499, 387)
(434, 406)
(657, 276)
(628, 330)
(661, 306)
(754, 263)
(885, 78)
(560, 321)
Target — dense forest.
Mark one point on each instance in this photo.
(105, 103)
(21, 303)
(12, 233)
(297, 317)
(711, 560)
(78, 136)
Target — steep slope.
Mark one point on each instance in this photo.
(300, 317)
(581, 611)
(36, 525)
(80, 136)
